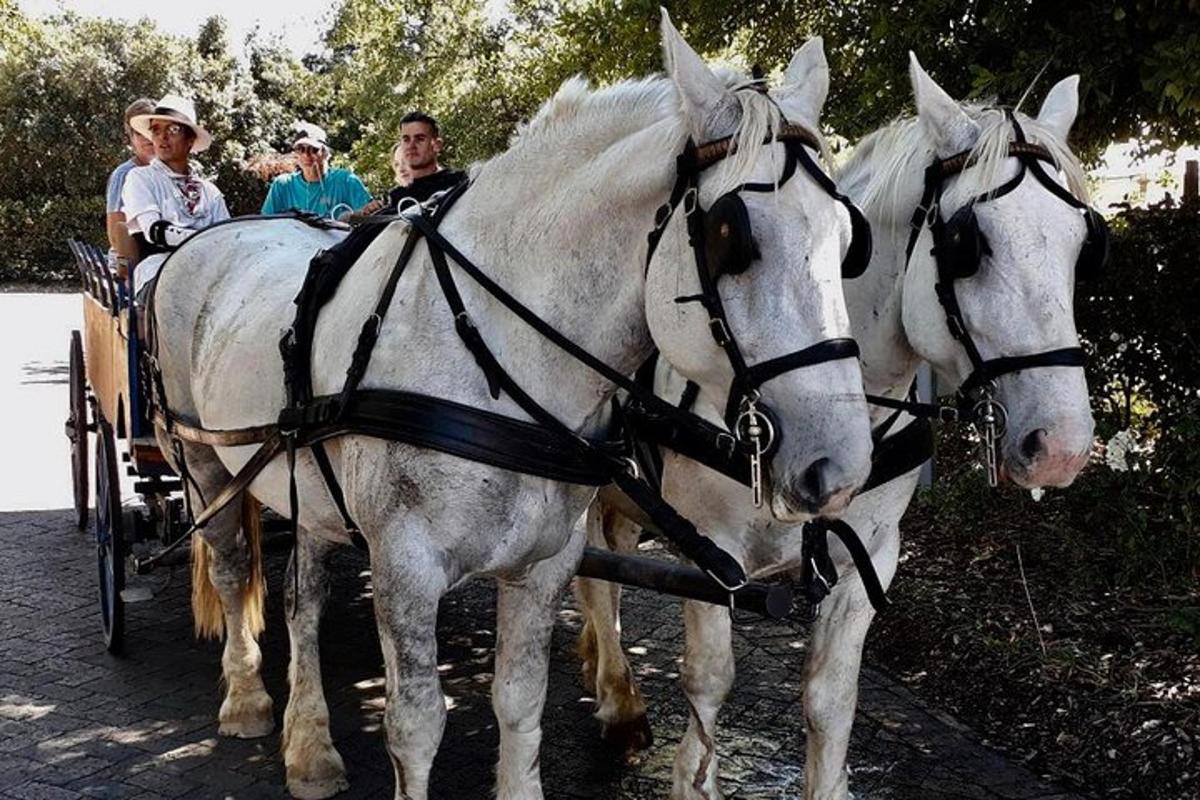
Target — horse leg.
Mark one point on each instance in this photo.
(619, 703)
(526, 608)
(409, 581)
(707, 678)
(314, 767)
(227, 597)
(831, 678)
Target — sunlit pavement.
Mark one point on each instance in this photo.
(76, 722)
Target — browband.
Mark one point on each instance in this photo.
(949, 167)
(710, 153)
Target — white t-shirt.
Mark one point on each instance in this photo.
(156, 192)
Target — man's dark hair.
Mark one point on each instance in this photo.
(420, 116)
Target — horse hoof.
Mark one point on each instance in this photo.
(630, 736)
(317, 789)
(248, 718)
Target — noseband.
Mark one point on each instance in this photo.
(745, 415)
(957, 241)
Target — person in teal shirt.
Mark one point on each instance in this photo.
(315, 187)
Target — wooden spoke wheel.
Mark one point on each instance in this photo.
(77, 430)
(110, 540)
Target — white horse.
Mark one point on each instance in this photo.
(561, 220)
(1018, 302)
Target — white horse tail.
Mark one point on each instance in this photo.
(208, 614)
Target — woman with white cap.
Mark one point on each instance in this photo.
(315, 187)
(168, 200)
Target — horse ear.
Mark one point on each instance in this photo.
(805, 83)
(703, 92)
(1061, 106)
(947, 124)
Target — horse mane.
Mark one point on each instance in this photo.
(885, 172)
(604, 121)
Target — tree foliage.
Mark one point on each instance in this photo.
(64, 81)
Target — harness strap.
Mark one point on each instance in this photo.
(270, 448)
(819, 353)
(335, 492)
(721, 566)
(372, 325)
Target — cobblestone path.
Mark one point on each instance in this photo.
(75, 721)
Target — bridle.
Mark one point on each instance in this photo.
(749, 420)
(958, 247)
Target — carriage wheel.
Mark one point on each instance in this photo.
(110, 541)
(77, 430)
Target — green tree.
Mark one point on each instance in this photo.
(62, 90)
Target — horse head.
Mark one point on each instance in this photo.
(747, 274)
(1011, 234)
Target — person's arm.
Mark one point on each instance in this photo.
(359, 196)
(220, 210)
(114, 226)
(140, 209)
(274, 202)
(122, 243)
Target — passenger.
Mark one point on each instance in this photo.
(168, 200)
(420, 144)
(143, 150)
(400, 170)
(315, 187)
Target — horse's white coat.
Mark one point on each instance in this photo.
(552, 219)
(1019, 303)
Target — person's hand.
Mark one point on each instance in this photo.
(371, 207)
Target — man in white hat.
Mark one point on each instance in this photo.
(315, 187)
(167, 201)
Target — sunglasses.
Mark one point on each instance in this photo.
(169, 129)
(305, 149)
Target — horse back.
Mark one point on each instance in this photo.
(221, 305)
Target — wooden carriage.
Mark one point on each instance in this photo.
(108, 397)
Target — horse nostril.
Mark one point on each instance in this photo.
(1034, 444)
(816, 482)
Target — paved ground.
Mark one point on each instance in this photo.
(76, 722)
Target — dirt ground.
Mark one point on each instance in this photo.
(1103, 692)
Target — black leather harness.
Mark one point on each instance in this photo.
(545, 447)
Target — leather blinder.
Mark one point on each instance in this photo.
(729, 245)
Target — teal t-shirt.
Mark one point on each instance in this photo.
(339, 191)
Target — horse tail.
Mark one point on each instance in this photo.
(208, 615)
(254, 594)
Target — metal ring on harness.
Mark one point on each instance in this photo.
(753, 425)
(991, 411)
(691, 200)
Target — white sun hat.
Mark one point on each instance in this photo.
(174, 108)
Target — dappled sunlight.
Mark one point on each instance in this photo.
(20, 708)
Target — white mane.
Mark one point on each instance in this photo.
(885, 172)
(580, 123)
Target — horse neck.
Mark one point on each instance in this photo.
(875, 302)
(572, 250)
